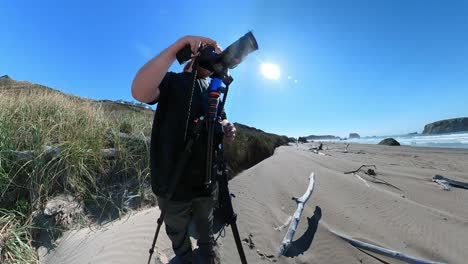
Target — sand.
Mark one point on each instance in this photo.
(414, 216)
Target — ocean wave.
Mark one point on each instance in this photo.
(459, 140)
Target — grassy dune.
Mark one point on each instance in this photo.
(51, 143)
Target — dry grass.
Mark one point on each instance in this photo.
(34, 118)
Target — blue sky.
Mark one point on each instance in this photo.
(372, 67)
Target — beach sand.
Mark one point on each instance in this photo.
(410, 214)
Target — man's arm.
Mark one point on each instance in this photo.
(145, 86)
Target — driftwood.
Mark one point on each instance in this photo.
(442, 183)
(48, 151)
(109, 153)
(52, 151)
(373, 175)
(369, 171)
(346, 149)
(446, 182)
(384, 251)
(287, 240)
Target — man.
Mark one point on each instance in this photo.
(176, 114)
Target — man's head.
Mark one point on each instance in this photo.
(201, 72)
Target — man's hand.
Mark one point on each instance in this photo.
(196, 42)
(229, 131)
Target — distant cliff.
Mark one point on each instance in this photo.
(318, 137)
(354, 135)
(447, 126)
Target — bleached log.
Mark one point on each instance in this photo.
(22, 155)
(53, 152)
(48, 151)
(445, 185)
(287, 240)
(441, 179)
(384, 251)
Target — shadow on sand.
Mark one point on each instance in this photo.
(303, 243)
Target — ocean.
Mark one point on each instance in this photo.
(456, 140)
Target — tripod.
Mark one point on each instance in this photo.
(210, 122)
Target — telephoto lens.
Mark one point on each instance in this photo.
(236, 52)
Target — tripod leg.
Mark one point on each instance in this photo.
(160, 221)
(235, 232)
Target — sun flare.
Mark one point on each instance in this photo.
(270, 71)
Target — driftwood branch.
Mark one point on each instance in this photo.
(384, 251)
(48, 151)
(373, 175)
(53, 152)
(445, 185)
(446, 182)
(287, 240)
(362, 166)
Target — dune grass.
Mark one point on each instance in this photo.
(51, 143)
(15, 239)
(31, 121)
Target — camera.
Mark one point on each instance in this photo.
(228, 59)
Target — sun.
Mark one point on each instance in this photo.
(270, 71)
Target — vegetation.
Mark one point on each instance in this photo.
(52, 143)
(250, 147)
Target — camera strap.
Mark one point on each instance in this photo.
(194, 65)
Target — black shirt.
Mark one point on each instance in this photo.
(167, 137)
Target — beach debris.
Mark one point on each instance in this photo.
(321, 153)
(442, 183)
(373, 175)
(249, 241)
(383, 251)
(446, 182)
(279, 228)
(368, 172)
(62, 209)
(317, 150)
(346, 149)
(287, 240)
(49, 152)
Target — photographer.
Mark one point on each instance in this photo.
(176, 115)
